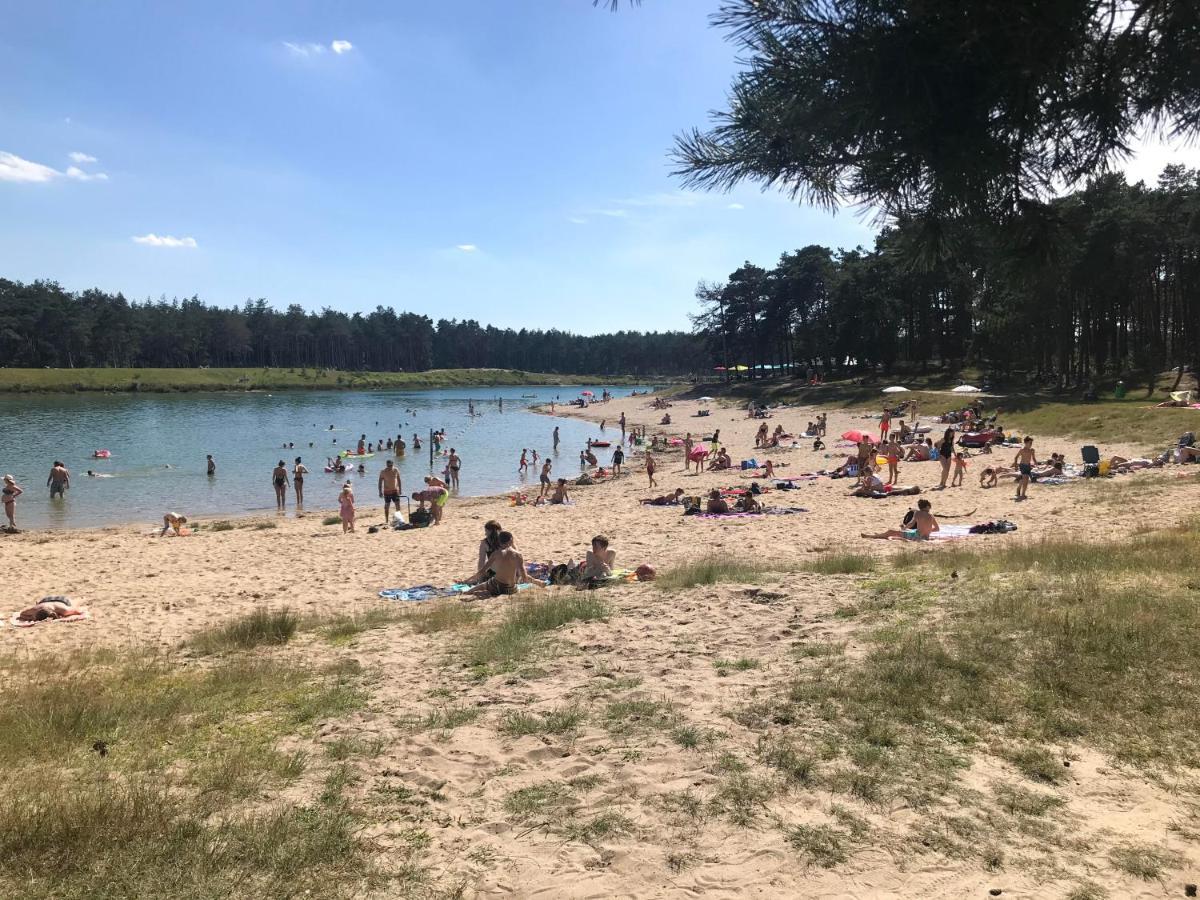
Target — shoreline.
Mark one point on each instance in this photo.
(15, 381)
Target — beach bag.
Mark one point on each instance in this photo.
(909, 518)
(562, 574)
(1187, 439)
(420, 518)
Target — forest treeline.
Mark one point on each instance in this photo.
(43, 325)
(1101, 282)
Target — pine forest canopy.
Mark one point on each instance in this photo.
(1110, 286)
(923, 108)
(43, 325)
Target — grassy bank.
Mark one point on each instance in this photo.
(180, 380)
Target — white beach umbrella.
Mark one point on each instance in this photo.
(705, 399)
(895, 389)
(966, 389)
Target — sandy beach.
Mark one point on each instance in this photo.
(143, 590)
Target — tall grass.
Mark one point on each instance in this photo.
(842, 564)
(523, 625)
(261, 626)
(715, 570)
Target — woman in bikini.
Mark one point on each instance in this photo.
(299, 470)
(10, 493)
(454, 464)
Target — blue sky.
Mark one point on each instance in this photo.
(490, 159)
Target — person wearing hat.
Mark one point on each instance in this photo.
(10, 493)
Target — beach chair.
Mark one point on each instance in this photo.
(1091, 461)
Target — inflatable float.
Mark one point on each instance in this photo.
(348, 454)
(101, 454)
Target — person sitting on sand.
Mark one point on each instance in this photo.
(665, 500)
(723, 461)
(818, 444)
(173, 520)
(920, 452)
(507, 569)
(868, 485)
(746, 503)
(716, 504)
(560, 494)
(665, 420)
(769, 469)
(919, 528)
(599, 561)
(49, 608)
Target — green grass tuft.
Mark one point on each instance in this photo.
(562, 720)
(260, 627)
(523, 626)
(842, 564)
(715, 570)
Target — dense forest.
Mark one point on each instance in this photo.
(43, 325)
(1102, 282)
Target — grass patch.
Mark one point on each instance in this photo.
(221, 526)
(521, 630)
(741, 664)
(841, 564)
(640, 714)
(1144, 860)
(1019, 801)
(139, 765)
(555, 805)
(741, 797)
(819, 845)
(260, 627)
(445, 718)
(715, 570)
(563, 720)
(444, 617)
(332, 520)
(341, 629)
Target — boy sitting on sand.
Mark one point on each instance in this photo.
(599, 561)
(507, 569)
(919, 528)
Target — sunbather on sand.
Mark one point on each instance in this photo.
(665, 500)
(871, 486)
(49, 608)
(560, 494)
(723, 461)
(919, 452)
(919, 528)
(716, 503)
(747, 503)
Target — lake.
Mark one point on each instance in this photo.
(159, 442)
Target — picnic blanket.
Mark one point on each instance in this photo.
(728, 515)
(423, 592)
(784, 510)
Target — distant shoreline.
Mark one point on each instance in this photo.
(173, 381)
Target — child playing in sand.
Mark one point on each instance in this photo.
(173, 520)
(960, 469)
(346, 507)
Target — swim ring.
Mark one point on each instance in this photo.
(101, 454)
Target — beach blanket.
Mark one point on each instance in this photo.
(422, 592)
(951, 533)
(729, 515)
(16, 623)
(784, 510)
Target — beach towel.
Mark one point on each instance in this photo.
(784, 510)
(416, 594)
(728, 515)
(16, 623)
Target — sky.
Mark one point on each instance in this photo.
(499, 160)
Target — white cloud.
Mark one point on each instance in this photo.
(611, 213)
(80, 175)
(663, 198)
(310, 48)
(81, 158)
(466, 248)
(577, 220)
(14, 168)
(154, 240)
(305, 49)
(735, 206)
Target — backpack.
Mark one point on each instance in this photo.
(1187, 439)
(420, 518)
(562, 574)
(909, 518)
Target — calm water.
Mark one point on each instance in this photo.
(159, 442)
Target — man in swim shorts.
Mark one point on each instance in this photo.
(59, 480)
(389, 487)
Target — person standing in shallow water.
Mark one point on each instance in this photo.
(279, 478)
(299, 470)
(212, 466)
(454, 464)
